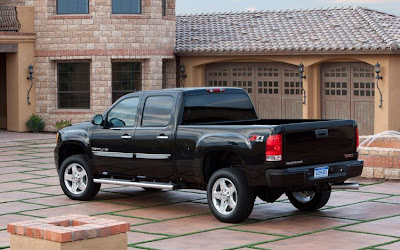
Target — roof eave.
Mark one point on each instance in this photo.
(286, 53)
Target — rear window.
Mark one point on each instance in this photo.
(217, 107)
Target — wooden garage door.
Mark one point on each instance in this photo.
(348, 91)
(275, 88)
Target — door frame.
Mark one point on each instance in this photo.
(353, 93)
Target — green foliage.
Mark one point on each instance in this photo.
(62, 124)
(35, 123)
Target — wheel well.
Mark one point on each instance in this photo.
(69, 150)
(216, 160)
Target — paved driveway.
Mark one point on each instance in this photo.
(369, 218)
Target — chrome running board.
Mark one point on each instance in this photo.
(349, 185)
(142, 184)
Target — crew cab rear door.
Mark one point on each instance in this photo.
(154, 137)
(113, 144)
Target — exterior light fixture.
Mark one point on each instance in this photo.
(30, 77)
(183, 74)
(302, 76)
(378, 77)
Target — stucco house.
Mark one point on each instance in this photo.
(85, 54)
(261, 52)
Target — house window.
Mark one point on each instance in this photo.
(164, 7)
(73, 85)
(126, 78)
(126, 6)
(72, 6)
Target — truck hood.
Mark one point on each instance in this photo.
(83, 126)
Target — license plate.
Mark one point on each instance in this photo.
(321, 172)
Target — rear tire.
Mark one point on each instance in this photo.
(76, 179)
(309, 200)
(229, 197)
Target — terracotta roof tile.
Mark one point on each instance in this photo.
(303, 31)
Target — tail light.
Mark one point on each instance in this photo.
(357, 138)
(273, 151)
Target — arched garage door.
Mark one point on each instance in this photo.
(348, 92)
(275, 88)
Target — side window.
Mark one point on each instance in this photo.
(157, 111)
(123, 114)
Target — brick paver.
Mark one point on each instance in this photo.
(331, 239)
(29, 188)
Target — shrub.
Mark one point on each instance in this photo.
(35, 123)
(62, 124)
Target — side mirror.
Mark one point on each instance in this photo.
(97, 120)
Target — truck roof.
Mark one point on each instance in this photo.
(196, 90)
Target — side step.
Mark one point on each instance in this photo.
(142, 184)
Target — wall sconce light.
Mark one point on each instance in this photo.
(302, 76)
(183, 75)
(378, 77)
(182, 70)
(30, 77)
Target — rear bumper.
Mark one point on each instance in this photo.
(304, 176)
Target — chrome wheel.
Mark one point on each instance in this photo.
(75, 178)
(224, 196)
(304, 196)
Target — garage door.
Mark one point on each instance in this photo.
(348, 92)
(274, 87)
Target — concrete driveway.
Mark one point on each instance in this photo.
(367, 219)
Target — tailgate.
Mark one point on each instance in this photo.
(319, 142)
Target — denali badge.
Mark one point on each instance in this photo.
(293, 163)
(100, 149)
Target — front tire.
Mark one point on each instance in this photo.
(76, 179)
(229, 197)
(309, 200)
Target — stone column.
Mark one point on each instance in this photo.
(152, 73)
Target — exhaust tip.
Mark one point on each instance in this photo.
(349, 185)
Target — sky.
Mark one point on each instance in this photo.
(210, 6)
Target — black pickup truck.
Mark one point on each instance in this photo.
(209, 139)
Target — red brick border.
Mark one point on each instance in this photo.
(68, 228)
(103, 52)
(70, 17)
(130, 16)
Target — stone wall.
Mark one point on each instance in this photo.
(381, 163)
(100, 38)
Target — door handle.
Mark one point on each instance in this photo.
(126, 137)
(162, 137)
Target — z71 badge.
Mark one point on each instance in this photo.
(257, 138)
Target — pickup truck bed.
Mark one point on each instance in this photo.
(208, 139)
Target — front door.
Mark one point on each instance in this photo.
(154, 138)
(113, 144)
